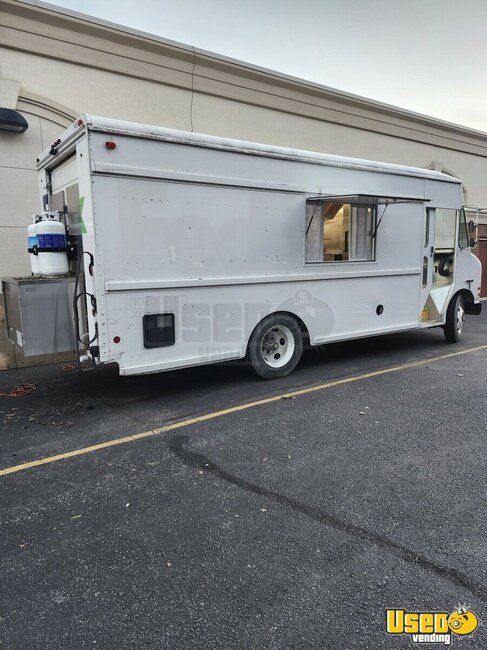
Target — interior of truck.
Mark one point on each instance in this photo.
(340, 232)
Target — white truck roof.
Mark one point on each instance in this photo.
(135, 129)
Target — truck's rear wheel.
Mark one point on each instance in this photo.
(275, 346)
(455, 319)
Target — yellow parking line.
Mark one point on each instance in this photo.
(232, 409)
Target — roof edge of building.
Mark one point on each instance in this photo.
(242, 68)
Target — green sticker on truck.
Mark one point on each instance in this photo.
(82, 223)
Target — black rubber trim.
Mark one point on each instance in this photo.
(57, 249)
(473, 308)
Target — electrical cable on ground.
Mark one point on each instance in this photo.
(22, 389)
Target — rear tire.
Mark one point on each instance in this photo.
(275, 346)
(455, 319)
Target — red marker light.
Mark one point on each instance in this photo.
(110, 145)
(80, 122)
(116, 339)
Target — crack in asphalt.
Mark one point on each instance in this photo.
(177, 444)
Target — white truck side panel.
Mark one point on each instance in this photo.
(213, 231)
(161, 232)
(216, 236)
(214, 323)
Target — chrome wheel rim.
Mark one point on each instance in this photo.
(277, 346)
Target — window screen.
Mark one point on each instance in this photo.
(338, 232)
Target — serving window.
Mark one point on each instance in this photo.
(340, 232)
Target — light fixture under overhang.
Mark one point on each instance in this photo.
(11, 120)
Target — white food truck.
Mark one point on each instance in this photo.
(160, 249)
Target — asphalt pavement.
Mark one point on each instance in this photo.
(293, 523)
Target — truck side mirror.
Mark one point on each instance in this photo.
(472, 233)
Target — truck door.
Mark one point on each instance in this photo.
(467, 269)
(427, 264)
(64, 197)
(439, 263)
(453, 267)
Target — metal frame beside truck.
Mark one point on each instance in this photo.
(192, 249)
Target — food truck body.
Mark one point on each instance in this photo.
(160, 249)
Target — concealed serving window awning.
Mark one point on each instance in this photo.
(366, 199)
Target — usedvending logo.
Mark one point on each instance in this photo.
(431, 627)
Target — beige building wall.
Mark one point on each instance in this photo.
(56, 64)
(18, 187)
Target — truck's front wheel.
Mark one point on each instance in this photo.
(275, 346)
(455, 319)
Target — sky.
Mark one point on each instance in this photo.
(428, 56)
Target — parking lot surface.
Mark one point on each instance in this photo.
(291, 522)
